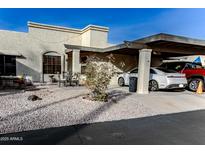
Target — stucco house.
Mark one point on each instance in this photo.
(40, 51)
(48, 49)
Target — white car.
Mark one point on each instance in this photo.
(160, 78)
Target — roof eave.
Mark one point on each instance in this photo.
(171, 38)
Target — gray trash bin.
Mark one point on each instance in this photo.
(132, 84)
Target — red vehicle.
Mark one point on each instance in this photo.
(194, 72)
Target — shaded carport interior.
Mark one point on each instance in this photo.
(159, 45)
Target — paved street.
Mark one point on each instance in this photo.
(179, 128)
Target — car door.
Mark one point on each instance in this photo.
(159, 77)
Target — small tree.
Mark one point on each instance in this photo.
(98, 76)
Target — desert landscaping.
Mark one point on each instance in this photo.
(64, 106)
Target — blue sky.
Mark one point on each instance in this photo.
(124, 24)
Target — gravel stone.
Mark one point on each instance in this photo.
(63, 106)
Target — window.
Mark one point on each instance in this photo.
(1, 65)
(134, 71)
(51, 64)
(177, 66)
(7, 65)
(152, 71)
(166, 70)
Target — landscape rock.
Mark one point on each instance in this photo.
(34, 98)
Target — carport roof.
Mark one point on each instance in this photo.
(159, 43)
(171, 38)
(108, 49)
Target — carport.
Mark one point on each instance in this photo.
(160, 45)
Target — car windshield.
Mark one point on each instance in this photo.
(166, 70)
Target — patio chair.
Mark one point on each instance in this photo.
(72, 79)
(61, 80)
(75, 78)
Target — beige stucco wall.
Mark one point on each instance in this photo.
(41, 39)
(98, 39)
(95, 37)
(85, 38)
(31, 46)
(20, 43)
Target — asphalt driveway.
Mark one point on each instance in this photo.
(179, 128)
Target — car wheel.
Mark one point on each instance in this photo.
(153, 85)
(121, 82)
(194, 83)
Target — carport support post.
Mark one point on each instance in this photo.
(76, 66)
(144, 71)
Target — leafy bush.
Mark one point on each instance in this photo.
(98, 75)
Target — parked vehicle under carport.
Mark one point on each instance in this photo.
(160, 78)
(194, 72)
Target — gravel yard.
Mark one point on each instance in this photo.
(65, 106)
(61, 107)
